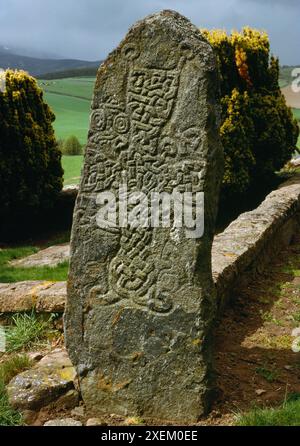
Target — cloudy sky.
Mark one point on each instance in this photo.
(89, 29)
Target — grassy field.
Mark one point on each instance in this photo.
(70, 100)
(72, 166)
(78, 87)
(10, 274)
(296, 112)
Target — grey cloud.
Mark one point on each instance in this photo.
(89, 29)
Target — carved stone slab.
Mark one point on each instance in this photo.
(141, 300)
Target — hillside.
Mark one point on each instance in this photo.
(75, 72)
(70, 99)
(39, 67)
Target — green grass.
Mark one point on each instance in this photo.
(26, 331)
(72, 166)
(70, 100)
(13, 366)
(9, 274)
(296, 112)
(60, 238)
(286, 415)
(72, 116)
(81, 87)
(8, 370)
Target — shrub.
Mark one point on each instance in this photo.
(258, 131)
(30, 162)
(72, 147)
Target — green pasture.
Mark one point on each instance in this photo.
(70, 100)
(72, 166)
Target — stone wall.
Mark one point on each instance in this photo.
(239, 253)
(250, 242)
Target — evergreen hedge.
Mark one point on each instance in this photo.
(258, 131)
(31, 175)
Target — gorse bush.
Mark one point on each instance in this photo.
(30, 162)
(71, 146)
(258, 131)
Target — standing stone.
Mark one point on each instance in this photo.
(141, 300)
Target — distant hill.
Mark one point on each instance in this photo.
(39, 67)
(76, 72)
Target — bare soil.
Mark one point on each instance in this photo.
(255, 364)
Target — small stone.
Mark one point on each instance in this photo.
(133, 421)
(63, 422)
(296, 345)
(95, 422)
(288, 367)
(35, 356)
(296, 332)
(78, 412)
(260, 392)
(49, 380)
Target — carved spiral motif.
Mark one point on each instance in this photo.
(99, 119)
(121, 124)
(131, 51)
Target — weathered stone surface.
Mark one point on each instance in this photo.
(52, 256)
(63, 423)
(19, 296)
(71, 189)
(44, 297)
(52, 299)
(140, 302)
(46, 382)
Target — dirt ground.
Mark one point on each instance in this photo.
(255, 364)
